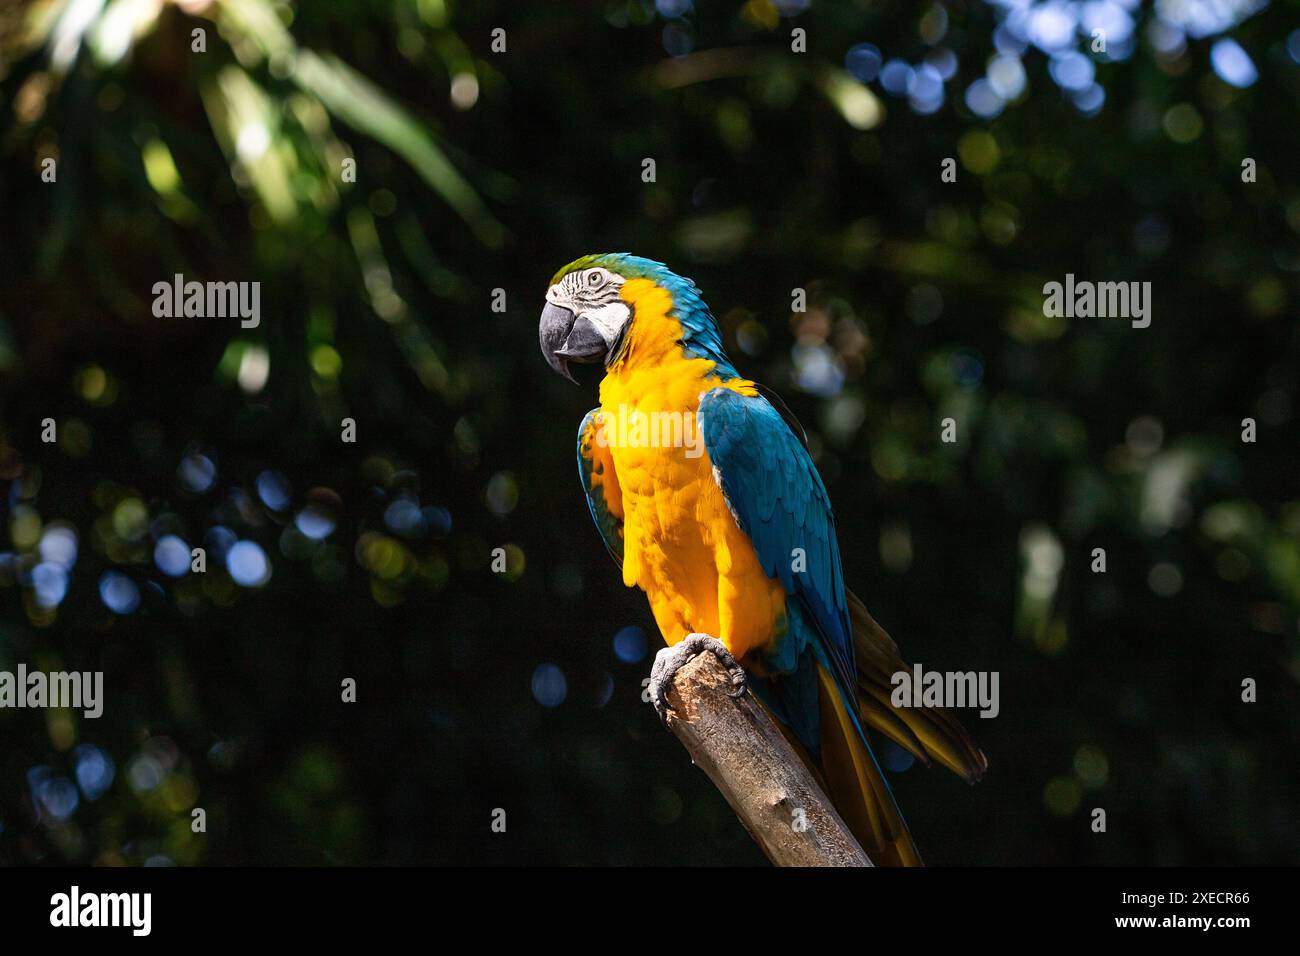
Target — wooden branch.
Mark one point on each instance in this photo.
(735, 742)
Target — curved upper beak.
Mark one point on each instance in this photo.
(567, 338)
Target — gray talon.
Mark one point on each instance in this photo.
(671, 659)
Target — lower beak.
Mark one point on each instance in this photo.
(567, 338)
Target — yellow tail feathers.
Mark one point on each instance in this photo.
(853, 779)
(855, 784)
(928, 733)
(847, 769)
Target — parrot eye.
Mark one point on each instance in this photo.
(596, 277)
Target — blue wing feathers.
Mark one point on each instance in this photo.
(779, 500)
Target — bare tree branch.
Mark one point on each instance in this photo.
(735, 742)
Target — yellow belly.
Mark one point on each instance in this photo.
(681, 544)
(683, 548)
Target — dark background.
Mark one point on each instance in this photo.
(775, 170)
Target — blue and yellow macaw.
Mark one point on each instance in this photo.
(734, 541)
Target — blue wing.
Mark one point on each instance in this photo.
(600, 483)
(778, 499)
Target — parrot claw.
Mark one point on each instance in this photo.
(671, 659)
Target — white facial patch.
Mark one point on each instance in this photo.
(609, 320)
(593, 294)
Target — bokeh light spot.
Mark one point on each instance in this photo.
(549, 685)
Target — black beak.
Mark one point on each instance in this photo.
(566, 338)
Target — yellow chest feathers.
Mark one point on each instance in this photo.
(681, 544)
(650, 402)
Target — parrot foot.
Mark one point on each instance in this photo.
(673, 658)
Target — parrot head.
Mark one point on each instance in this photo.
(585, 319)
(588, 317)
